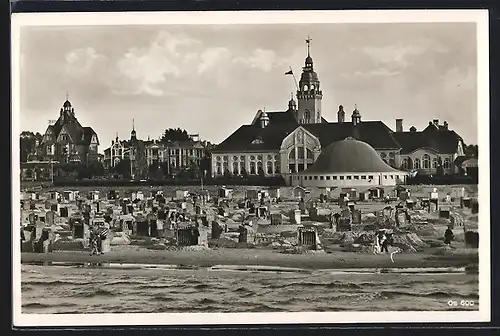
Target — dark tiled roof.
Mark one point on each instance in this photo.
(241, 140)
(88, 133)
(374, 133)
(440, 140)
(281, 117)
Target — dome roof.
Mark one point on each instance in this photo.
(349, 156)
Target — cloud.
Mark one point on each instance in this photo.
(81, 62)
(211, 57)
(265, 60)
(145, 69)
(402, 55)
(383, 72)
(456, 80)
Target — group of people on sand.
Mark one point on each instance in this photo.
(383, 238)
(98, 233)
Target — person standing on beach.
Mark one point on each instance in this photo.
(448, 236)
(94, 246)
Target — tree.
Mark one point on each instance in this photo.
(28, 143)
(95, 168)
(122, 168)
(194, 170)
(471, 150)
(140, 161)
(205, 166)
(173, 135)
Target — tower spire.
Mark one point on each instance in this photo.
(133, 125)
(308, 41)
(67, 96)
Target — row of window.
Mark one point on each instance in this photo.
(225, 158)
(425, 163)
(237, 169)
(341, 177)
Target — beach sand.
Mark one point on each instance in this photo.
(224, 256)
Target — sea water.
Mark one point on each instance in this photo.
(78, 290)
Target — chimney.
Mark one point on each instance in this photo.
(341, 114)
(436, 122)
(445, 125)
(399, 125)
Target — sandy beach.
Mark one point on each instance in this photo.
(211, 257)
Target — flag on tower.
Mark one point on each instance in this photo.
(289, 72)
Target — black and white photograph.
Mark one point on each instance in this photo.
(250, 167)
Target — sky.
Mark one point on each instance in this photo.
(210, 79)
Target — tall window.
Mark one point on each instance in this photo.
(235, 168)
(252, 168)
(404, 164)
(277, 168)
(300, 152)
(269, 167)
(259, 167)
(307, 115)
(447, 163)
(309, 154)
(218, 168)
(434, 163)
(426, 161)
(416, 164)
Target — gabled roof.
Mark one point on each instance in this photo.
(88, 133)
(440, 140)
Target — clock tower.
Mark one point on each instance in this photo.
(309, 94)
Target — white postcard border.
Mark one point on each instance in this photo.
(480, 17)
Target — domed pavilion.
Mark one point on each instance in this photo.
(349, 163)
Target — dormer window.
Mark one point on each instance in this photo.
(257, 141)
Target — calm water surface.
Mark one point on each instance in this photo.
(77, 290)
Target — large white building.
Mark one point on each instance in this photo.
(287, 142)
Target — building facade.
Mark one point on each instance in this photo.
(67, 141)
(288, 142)
(179, 155)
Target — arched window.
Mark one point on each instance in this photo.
(434, 163)
(300, 152)
(269, 167)
(309, 154)
(416, 164)
(291, 156)
(307, 115)
(252, 168)
(259, 167)
(305, 88)
(404, 164)
(447, 163)
(277, 168)
(392, 162)
(426, 161)
(219, 168)
(235, 168)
